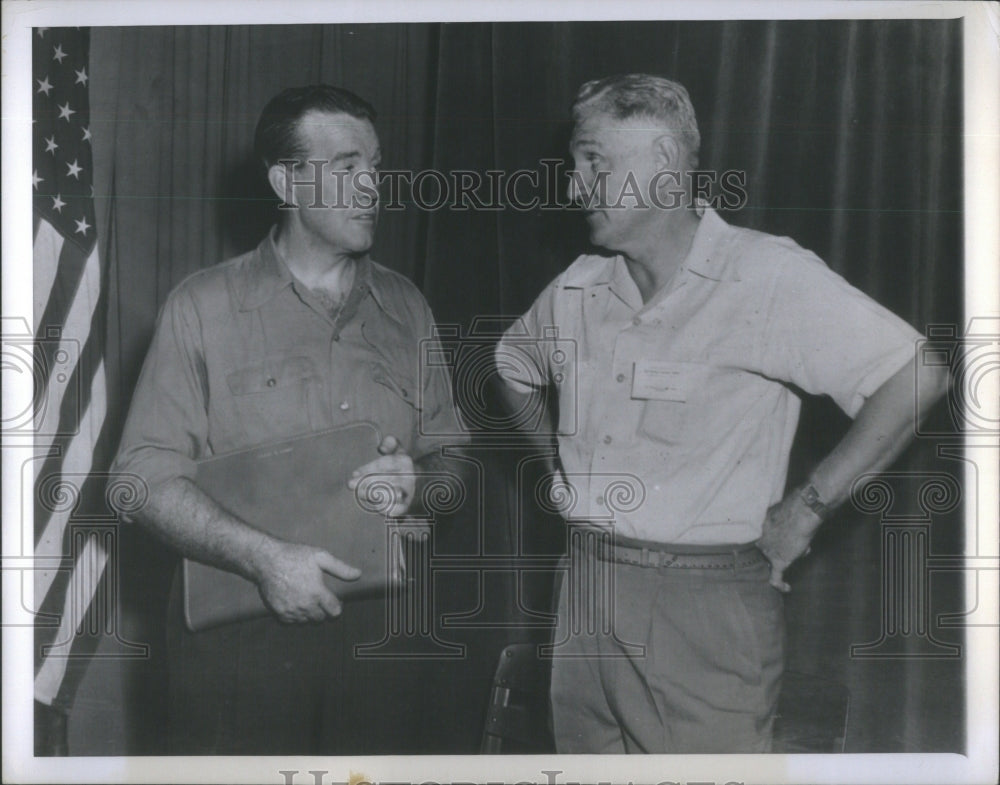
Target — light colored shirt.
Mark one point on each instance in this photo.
(676, 418)
(244, 354)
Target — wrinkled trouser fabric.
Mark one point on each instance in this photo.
(707, 680)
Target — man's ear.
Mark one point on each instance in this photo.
(669, 155)
(278, 176)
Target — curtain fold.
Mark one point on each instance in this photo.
(849, 133)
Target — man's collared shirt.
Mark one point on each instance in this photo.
(676, 418)
(244, 354)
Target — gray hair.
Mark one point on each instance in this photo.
(644, 96)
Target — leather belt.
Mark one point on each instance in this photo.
(684, 558)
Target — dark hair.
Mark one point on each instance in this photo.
(646, 96)
(277, 137)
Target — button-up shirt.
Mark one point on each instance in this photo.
(244, 354)
(676, 417)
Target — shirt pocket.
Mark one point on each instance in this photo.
(677, 413)
(276, 398)
(397, 382)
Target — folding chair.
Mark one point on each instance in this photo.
(517, 719)
(812, 715)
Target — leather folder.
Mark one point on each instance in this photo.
(295, 489)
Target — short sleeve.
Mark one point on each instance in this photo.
(519, 358)
(440, 423)
(166, 429)
(829, 338)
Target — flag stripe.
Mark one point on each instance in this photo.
(72, 262)
(86, 575)
(58, 579)
(47, 246)
(77, 463)
(63, 355)
(73, 411)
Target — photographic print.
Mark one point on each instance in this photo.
(447, 393)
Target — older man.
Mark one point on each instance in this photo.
(690, 334)
(304, 333)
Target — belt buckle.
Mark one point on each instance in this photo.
(667, 559)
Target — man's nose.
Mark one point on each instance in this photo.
(368, 185)
(573, 188)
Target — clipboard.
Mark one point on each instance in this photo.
(297, 490)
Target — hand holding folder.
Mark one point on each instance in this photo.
(296, 490)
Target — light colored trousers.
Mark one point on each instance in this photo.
(707, 677)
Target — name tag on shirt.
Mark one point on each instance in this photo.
(661, 381)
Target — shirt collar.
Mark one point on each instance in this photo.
(268, 274)
(705, 258)
(612, 273)
(375, 279)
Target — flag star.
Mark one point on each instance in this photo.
(86, 134)
(57, 203)
(58, 54)
(43, 85)
(50, 144)
(35, 179)
(82, 226)
(65, 112)
(81, 76)
(74, 170)
(41, 32)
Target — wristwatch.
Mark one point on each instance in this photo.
(810, 497)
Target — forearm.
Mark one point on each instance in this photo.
(881, 431)
(883, 427)
(185, 518)
(538, 429)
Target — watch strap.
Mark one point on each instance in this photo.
(811, 498)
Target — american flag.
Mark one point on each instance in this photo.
(70, 424)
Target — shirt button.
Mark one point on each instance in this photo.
(344, 406)
(607, 440)
(620, 377)
(271, 382)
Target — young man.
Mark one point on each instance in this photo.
(687, 336)
(302, 334)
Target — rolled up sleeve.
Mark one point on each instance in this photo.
(167, 425)
(440, 422)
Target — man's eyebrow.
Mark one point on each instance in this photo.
(349, 154)
(345, 156)
(583, 141)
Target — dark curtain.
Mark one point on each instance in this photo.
(850, 136)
